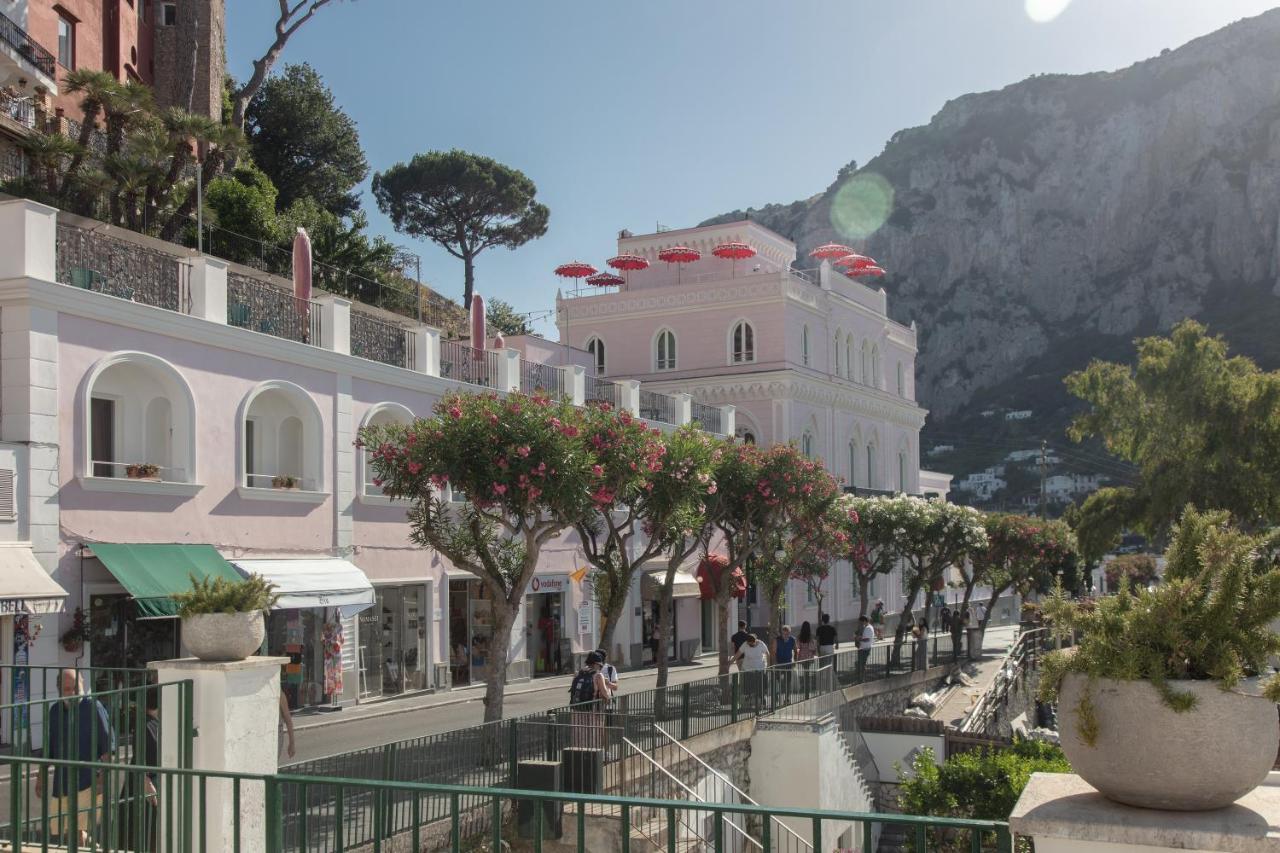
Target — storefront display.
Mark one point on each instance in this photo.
(684, 595)
(545, 625)
(470, 631)
(393, 634)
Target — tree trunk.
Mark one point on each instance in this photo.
(904, 617)
(606, 633)
(666, 622)
(864, 589)
(722, 628)
(209, 170)
(775, 614)
(991, 605)
(468, 284)
(504, 616)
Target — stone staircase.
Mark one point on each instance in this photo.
(860, 763)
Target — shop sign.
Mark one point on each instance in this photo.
(549, 583)
(14, 606)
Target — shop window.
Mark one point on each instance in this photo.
(281, 442)
(139, 421)
(665, 350)
(743, 343)
(595, 346)
(66, 41)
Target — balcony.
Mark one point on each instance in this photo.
(22, 56)
(660, 408)
(106, 260)
(541, 377)
(708, 416)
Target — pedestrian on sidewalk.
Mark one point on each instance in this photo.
(739, 638)
(877, 619)
(866, 639)
(752, 660)
(806, 646)
(588, 696)
(785, 655)
(286, 747)
(827, 641)
(610, 674)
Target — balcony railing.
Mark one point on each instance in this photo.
(95, 260)
(27, 47)
(658, 407)
(138, 471)
(377, 340)
(597, 390)
(541, 377)
(464, 363)
(262, 307)
(709, 416)
(18, 109)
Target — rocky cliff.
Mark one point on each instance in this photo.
(1034, 227)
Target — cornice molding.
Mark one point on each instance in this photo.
(667, 298)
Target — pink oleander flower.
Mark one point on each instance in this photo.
(377, 482)
(711, 489)
(522, 451)
(455, 412)
(415, 468)
(499, 489)
(598, 470)
(534, 491)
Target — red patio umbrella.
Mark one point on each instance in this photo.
(854, 261)
(575, 269)
(605, 279)
(873, 270)
(679, 255)
(735, 251)
(831, 251)
(627, 263)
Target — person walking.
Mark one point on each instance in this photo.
(806, 645)
(944, 619)
(828, 641)
(139, 807)
(739, 638)
(866, 639)
(877, 619)
(286, 746)
(588, 695)
(784, 656)
(79, 730)
(610, 674)
(752, 660)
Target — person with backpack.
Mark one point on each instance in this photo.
(588, 695)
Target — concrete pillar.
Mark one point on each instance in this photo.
(629, 396)
(335, 327)
(824, 275)
(28, 240)
(426, 350)
(729, 419)
(209, 289)
(508, 369)
(575, 383)
(684, 408)
(344, 468)
(237, 711)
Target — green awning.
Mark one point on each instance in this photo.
(154, 573)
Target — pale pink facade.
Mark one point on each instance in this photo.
(95, 379)
(823, 365)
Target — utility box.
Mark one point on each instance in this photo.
(583, 770)
(539, 776)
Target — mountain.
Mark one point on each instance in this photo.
(1030, 229)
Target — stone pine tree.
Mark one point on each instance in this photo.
(462, 202)
(522, 464)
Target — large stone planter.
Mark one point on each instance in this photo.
(1148, 755)
(223, 636)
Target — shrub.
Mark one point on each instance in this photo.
(1210, 620)
(219, 595)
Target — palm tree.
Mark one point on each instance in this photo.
(49, 153)
(98, 87)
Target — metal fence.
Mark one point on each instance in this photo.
(94, 259)
(27, 47)
(597, 390)
(541, 377)
(262, 307)
(378, 340)
(710, 417)
(464, 363)
(658, 407)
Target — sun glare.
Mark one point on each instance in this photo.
(1044, 11)
(861, 205)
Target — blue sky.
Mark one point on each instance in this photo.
(670, 111)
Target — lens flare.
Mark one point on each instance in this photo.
(1044, 11)
(861, 205)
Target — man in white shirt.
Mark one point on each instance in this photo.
(980, 612)
(866, 639)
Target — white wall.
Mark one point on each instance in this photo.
(888, 749)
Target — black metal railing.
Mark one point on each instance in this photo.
(463, 363)
(535, 376)
(17, 108)
(94, 259)
(597, 390)
(378, 340)
(262, 307)
(710, 417)
(658, 407)
(27, 47)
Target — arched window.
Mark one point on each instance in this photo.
(866, 363)
(877, 379)
(835, 351)
(665, 350)
(139, 417)
(853, 463)
(595, 346)
(282, 443)
(872, 480)
(806, 444)
(902, 381)
(804, 346)
(743, 344)
(380, 415)
(848, 357)
(902, 472)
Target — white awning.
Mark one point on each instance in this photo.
(322, 582)
(655, 572)
(25, 587)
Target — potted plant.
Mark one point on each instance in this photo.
(284, 481)
(222, 619)
(1161, 702)
(74, 638)
(142, 471)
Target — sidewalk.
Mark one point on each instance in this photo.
(958, 703)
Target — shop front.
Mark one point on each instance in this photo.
(394, 654)
(313, 623)
(686, 616)
(27, 593)
(470, 631)
(546, 640)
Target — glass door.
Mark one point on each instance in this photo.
(413, 639)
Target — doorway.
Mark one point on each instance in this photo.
(544, 629)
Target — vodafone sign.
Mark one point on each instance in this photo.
(549, 583)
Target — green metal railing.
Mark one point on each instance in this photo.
(24, 687)
(186, 810)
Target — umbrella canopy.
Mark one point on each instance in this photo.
(854, 261)
(575, 269)
(710, 576)
(679, 255)
(605, 279)
(874, 270)
(831, 251)
(627, 263)
(735, 251)
(477, 322)
(302, 264)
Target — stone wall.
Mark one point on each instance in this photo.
(201, 28)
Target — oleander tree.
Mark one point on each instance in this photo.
(527, 475)
(931, 537)
(1024, 555)
(872, 547)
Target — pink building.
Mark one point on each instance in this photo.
(165, 413)
(803, 355)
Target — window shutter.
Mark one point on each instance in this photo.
(349, 639)
(8, 508)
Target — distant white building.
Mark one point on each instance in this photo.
(1065, 487)
(1032, 455)
(981, 484)
(1020, 415)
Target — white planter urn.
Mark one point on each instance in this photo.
(1148, 755)
(224, 637)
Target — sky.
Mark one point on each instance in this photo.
(627, 115)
